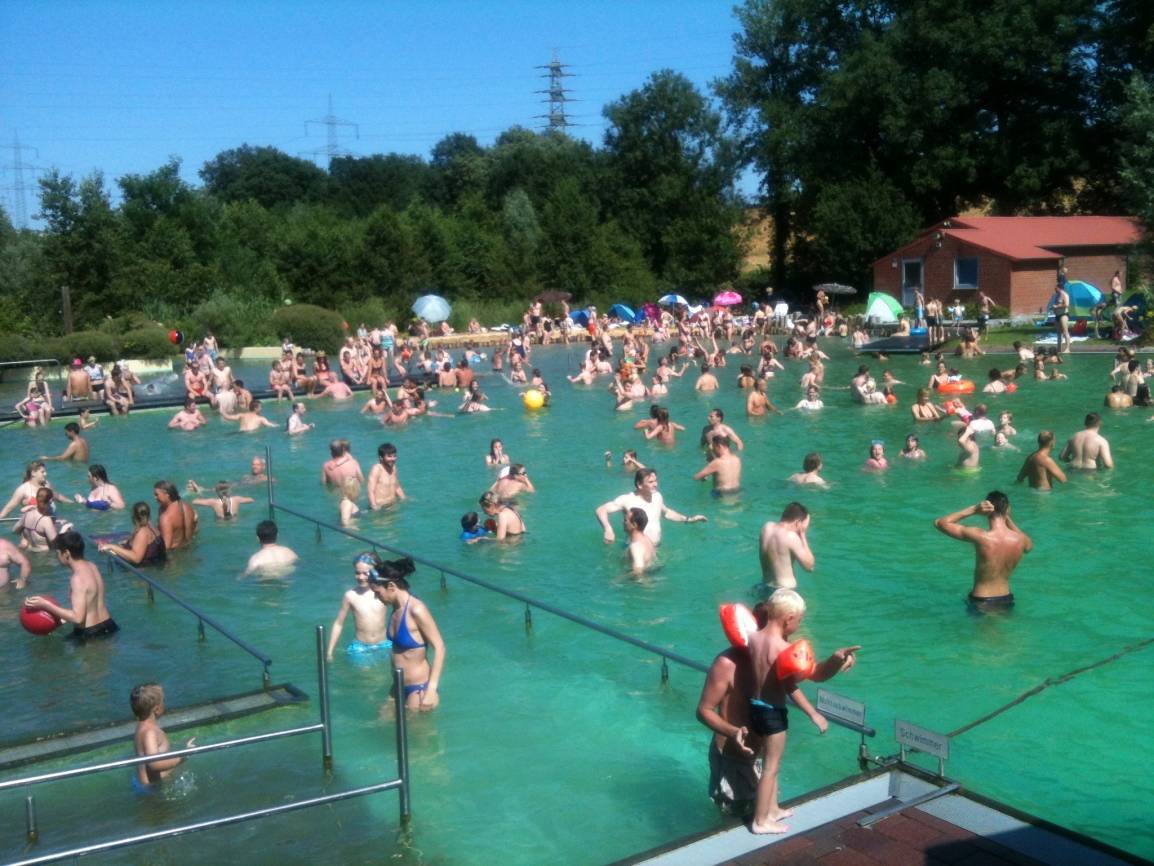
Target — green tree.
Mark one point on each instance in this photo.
(359, 185)
(265, 175)
(672, 173)
(385, 253)
(522, 232)
(458, 169)
(1137, 154)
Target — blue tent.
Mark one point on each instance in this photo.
(581, 317)
(623, 312)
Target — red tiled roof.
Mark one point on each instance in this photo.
(1038, 237)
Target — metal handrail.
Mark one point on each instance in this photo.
(401, 783)
(511, 593)
(666, 655)
(202, 618)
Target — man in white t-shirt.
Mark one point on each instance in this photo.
(645, 497)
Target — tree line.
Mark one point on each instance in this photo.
(865, 121)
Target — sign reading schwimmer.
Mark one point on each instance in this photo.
(922, 740)
(846, 709)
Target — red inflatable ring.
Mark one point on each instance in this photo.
(796, 661)
(738, 623)
(965, 386)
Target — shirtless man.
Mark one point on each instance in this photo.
(784, 543)
(79, 385)
(1118, 399)
(648, 499)
(250, 421)
(811, 472)
(384, 483)
(77, 445)
(717, 427)
(1088, 448)
(969, 455)
(758, 403)
(342, 465)
(725, 467)
(336, 389)
(1060, 306)
(997, 550)
(642, 552)
(706, 381)
(370, 614)
(11, 555)
(1040, 468)
(271, 556)
(178, 521)
(724, 709)
(221, 376)
(188, 418)
(87, 612)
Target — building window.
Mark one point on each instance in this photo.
(965, 273)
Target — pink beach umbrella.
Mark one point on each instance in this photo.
(727, 299)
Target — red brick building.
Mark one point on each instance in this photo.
(1014, 260)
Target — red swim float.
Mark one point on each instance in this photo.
(965, 386)
(1012, 387)
(796, 661)
(39, 622)
(738, 623)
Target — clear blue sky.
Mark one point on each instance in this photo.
(120, 86)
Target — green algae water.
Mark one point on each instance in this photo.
(564, 746)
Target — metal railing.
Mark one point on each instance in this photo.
(202, 619)
(529, 602)
(324, 726)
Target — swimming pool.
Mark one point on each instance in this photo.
(564, 746)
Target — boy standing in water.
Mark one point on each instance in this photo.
(147, 701)
(767, 712)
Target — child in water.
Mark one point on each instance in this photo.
(147, 701)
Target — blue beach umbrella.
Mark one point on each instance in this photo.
(431, 308)
(581, 317)
(623, 312)
(673, 301)
(1083, 298)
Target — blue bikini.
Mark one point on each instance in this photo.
(403, 640)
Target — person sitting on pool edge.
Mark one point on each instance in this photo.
(997, 550)
(413, 631)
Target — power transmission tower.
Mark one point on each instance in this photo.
(556, 95)
(18, 187)
(333, 147)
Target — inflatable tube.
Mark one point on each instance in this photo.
(738, 623)
(796, 661)
(963, 387)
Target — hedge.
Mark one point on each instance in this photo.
(310, 326)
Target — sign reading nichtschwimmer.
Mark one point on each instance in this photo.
(922, 740)
(846, 709)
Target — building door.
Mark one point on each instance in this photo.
(911, 280)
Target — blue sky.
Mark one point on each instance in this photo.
(121, 86)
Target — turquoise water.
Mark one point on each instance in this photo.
(564, 746)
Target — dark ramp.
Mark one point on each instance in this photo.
(914, 344)
(218, 710)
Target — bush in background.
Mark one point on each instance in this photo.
(149, 343)
(489, 313)
(372, 312)
(79, 344)
(15, 347)
(234, 320)
(310, 326)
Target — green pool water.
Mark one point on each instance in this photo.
(564, 746)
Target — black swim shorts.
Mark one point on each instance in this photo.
(766, 719)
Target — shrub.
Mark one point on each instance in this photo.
(310, 326)
(490, 312)
(79, 344)
(134, 321)
(234, 320)
(149, 343)
(14, 347)
(372, 312)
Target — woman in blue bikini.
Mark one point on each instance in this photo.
(413, 632)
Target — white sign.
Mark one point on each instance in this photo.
(922, 740)
(846, 709)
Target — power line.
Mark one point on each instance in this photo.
(18, 188)
(556, 95)
(332, 148)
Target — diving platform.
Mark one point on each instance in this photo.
(222, 709)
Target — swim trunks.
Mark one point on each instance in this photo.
(101, 629)
(732, 781)
(141, 789)
(356, 648)
(419, 687)
(766, 719)
(985, 603)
